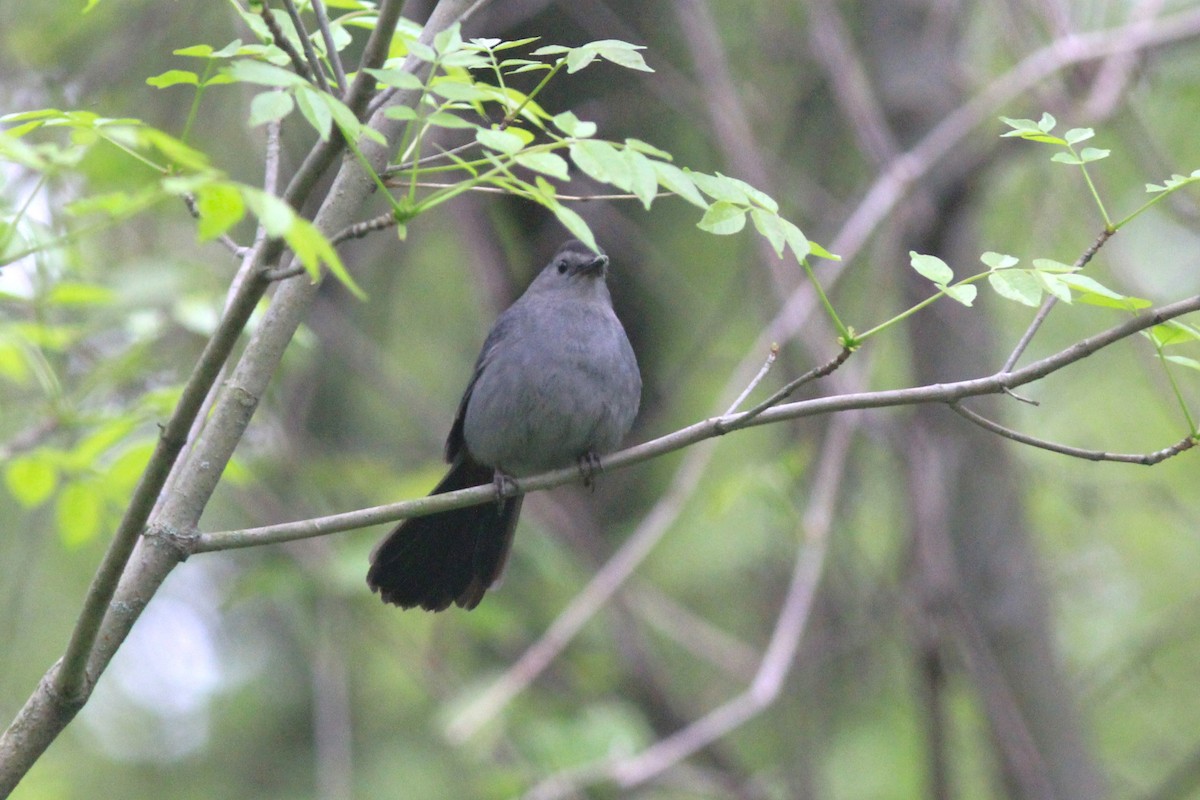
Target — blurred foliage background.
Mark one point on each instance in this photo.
(991, 620)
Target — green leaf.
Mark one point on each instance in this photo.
(820, 252)
(220, 206)
(421, 51)
(578, 58)
(113, 204)
(444, 119)
(172, 77)
(315, 111)
(998, 260)
(1094, 293)
(673, 179)
(1050, 265)
(396, 78)
(963, 293)
(195, 51)
(400, 112)
(1053, 284)
(769, 226)
(621, 53)
(719, 187)
(1018, 285)
(178, 153)
(601, 161)
(1067, 158)
(30, 478)
(345, 120)
(1047, 122)
(459, 91)
(571, 125)
(756, 196)
(723, 218)
(549, 163)
(250, 71)
(931, 267)
(506, 141)
(79, 513)
(228, 50)
(499, 45)
(575, 224)
(448, 40)
(800, 244)
(313, 250)
(1184, 361)
(69, 293)
(275, 215)
(1077, 135)
(88, 450)
(126, 469)
(1173, 332)
(1089, 154)
(643, 180)
(270, 106)
(648, 149)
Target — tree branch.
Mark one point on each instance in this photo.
(310, 52)
(948, 393)
(1147, 459)
(777, 659)
(123, 587)
(285, 44)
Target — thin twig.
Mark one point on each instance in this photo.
(777, 660)
(1049, 303)
(904, 170)
(239, 251)
(762, 373)
(1148, 459)
(1052, 301)
(285, 44)
(813, 374)
(335, 58)
(356, 231)
(310, 52)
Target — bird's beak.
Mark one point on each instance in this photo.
(597, 267)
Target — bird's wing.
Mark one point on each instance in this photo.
(455, 442)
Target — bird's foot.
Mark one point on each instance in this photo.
(589, 468)
(506, 486)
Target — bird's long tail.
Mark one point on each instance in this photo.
(450, 557)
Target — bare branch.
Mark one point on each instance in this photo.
(947, 393)
(310, 52)
(335, 58)
(285, 44)
(813, 374)
(777, 659)
(762, 373)
(356, 231)
(904, 170)
(1051, 301)
(1148, 459)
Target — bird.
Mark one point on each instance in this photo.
(556, 382)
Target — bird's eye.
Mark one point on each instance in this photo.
(562, 267)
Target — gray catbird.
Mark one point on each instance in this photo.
(556, 382)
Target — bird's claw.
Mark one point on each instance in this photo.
(506, 486)
(589, 468)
